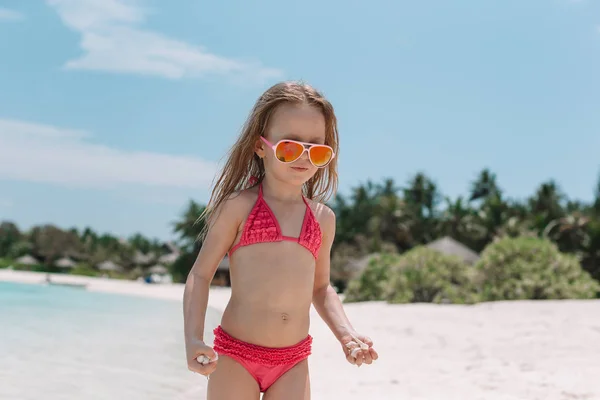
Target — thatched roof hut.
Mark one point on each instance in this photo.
(169, 258)
(27, 260)
(109, 266)
(140, 258)
(65, 262)
(449, 246)
(158, 269)
(224, 264)
(357, 265)
(171, 247)
(222, 277)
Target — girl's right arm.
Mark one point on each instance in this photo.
(218, 241)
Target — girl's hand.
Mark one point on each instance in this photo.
(201, 358)
(358, 349)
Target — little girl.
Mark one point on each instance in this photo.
(266, 211)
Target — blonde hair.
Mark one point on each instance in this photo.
(243, 163)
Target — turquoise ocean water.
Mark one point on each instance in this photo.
(67, 343)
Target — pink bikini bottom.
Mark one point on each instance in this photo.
(265, 364)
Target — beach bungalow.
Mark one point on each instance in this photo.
(158, 269)
(158, 274)
(222, 277)
(170, 253)
(141, 259)
(449, 246)
(65, 263)
(109, 266)
(27, 260)
(170, 247)
(168, 259)
(357, 265)
(351, 269)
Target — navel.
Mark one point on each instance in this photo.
(285, 317)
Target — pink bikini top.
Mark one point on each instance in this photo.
(261, 226)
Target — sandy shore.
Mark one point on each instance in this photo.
(493, 351)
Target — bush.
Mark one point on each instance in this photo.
(342, 265)
(419, 275)
(531, 268)
(370, 284)
(180, 269)
(84, 270)
(34, 268)
(426, 275)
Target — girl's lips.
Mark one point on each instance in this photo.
(300, 169)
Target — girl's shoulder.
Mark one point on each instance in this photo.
(242, 199)
(236, 206)
(323, 214)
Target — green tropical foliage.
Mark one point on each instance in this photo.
(371, 284)
(416, 276)
(529, 268)
(373, 219)
(423, 275)
(416, 214)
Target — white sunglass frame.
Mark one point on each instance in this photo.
(306, 147)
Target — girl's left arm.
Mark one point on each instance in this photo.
(327, 302)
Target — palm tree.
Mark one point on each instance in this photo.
(50, 243)
(591, 249)
(9, 236)
(391, 220)
(484, 186)
(141, 243)
(422, 194)
(188, 228)
(545, 205)
(596, 205)
(354, 215)
(492, 216)
(459, 221)
(422, 197)
(547, 199)
(569, 232)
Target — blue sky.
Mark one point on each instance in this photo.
(114, 113)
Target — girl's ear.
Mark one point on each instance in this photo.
(259, 148)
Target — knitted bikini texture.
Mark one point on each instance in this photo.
(272, 356)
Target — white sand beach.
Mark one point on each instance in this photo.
(493, 351)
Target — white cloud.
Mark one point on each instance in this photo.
(10, 15)
(46, 154)
(112, 39)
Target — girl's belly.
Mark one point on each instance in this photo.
(271, 294)
(268, 328)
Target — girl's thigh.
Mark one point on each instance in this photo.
(293, 385)
(231, 381)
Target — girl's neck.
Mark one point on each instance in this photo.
(281, 191)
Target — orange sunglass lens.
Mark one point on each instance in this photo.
(320, 155)
(288, 151)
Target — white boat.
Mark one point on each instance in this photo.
(49, 281)
(71, 284)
